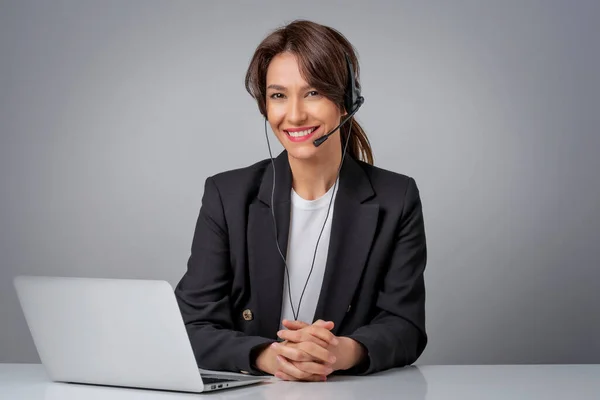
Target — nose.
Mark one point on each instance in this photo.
(296, 111)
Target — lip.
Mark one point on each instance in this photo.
(303, 138)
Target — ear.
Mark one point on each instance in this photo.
(343, 111)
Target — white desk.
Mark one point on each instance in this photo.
(29, 382)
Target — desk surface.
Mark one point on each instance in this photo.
(29, 382)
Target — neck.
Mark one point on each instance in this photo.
(311, 179)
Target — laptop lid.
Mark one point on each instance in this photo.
(121, 332)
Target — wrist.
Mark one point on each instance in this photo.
(360, 352)
(264, 359)
(349, 353)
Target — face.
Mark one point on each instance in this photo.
(298, 113)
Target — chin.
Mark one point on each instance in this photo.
(303, 152)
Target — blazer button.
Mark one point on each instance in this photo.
(349, 307)
(247, 314)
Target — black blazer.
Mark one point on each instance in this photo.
(373, 289)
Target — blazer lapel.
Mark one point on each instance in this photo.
(352, 232)
(266, 267)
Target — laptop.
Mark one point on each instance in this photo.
(115, 332)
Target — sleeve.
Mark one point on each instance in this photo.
(396, 336)
(203, 295)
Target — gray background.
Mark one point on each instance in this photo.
(112, 114)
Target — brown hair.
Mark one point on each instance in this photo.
(321, 57)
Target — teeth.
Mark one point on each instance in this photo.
(301, 133)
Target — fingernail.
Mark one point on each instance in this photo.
(274, 345)
(335, 342)
(332, 359)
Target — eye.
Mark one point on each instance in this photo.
(313, 93)
(276, 96)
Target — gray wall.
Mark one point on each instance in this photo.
(113, 113)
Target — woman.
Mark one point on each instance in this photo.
(311, 263)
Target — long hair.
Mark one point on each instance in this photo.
(320, 51)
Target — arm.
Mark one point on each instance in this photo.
(396, 336)
(203, 294)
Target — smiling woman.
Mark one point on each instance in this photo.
(306, 78)
(297, 111)
(310, 263)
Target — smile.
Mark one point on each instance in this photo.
(300, 134)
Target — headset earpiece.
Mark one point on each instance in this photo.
(352, 97)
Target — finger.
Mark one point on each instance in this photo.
(304, 334)
(284, 376)
(314, 378)
(324, 324)
(316, 352)
(323, 334)
(313, 367)
(293, 325)
(290, 369)
(300, 336)
(314, 330)
(291, 353)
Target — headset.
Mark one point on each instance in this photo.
(352, 102)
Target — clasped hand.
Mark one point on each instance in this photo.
(308, 352)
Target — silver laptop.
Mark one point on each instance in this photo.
(117, 332)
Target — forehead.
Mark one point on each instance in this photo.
(283, 69)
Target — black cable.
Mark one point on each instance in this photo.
(322, 228)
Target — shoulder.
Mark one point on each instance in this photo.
(242, 174)
(388, 184)
(238, 182)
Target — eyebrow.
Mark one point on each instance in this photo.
(283, 88)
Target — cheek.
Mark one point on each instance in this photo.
(275, 116)
(326, 113)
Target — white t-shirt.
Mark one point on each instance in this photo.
(306, 221)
